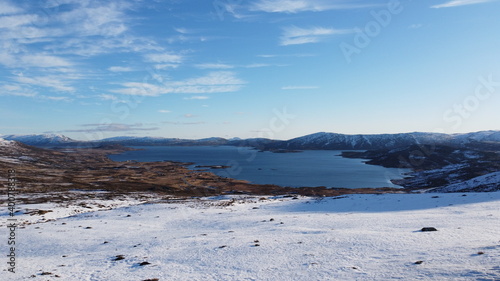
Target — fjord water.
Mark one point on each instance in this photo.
(307, 168)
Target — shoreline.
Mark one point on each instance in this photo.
(40, 171)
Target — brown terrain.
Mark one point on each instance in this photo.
(39, 171)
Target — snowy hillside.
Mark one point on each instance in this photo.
(5, 142)
(383, 141)
(477, 136)
(40, 140)
(314, 141)
(356, 237)
(489, 182)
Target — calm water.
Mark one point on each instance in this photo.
(308, 168)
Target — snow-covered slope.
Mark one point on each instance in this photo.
(314, 141)
(325, 140)
(357, 237)
(341, 141)
(40, 140)
(485, 183)
(477, 136)
(4, 142)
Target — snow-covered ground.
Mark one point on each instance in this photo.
(355, 237)
(488, 182)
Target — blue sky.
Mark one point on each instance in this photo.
(234, 68)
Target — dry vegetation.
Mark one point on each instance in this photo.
(40, 171)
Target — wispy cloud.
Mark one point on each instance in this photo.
(46, 81)
(7, 8)
(120, 69)
(164, 111)
(106, 19)
(296, 6)
(16, 20)
(416, 26)
(114, 127)
(294, 35)
(17, 90)
(456, 3)
(213, 82)
(214, 66)
(43, 60)
(197, 98)
(107, 97)
(164, 58)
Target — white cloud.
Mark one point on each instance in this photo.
(214, 78)
(214, 66)
(455, 3)
(46, 81)
(164, 111)
(288, 6)
(7, 8)
(141, 89)
(294, 35)
(257, 65)
(107, 97)
(183, 30)
(88, 19)
(164, 58)
(11, 22)
(113, 127)
(197, 98)
(17, 90)
(42, 60)
(66, 99)
(296, 6)
(165, 66)
(213, 82)
(120, 69)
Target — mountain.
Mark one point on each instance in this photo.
(317, 141)
(158, 141)
(483, 136)
(4, 142)
(333, 141)
(41, 140)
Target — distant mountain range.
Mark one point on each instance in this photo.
(326, 141)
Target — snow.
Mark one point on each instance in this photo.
(4, 142)
(488, 182)
(355, 237)
(39, 139)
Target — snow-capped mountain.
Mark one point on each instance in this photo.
(327, 141)
(483, 136)
(146, 141)
(382, 141)
(5, 142)
(40, 140)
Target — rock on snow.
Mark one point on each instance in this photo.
(355, 237)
